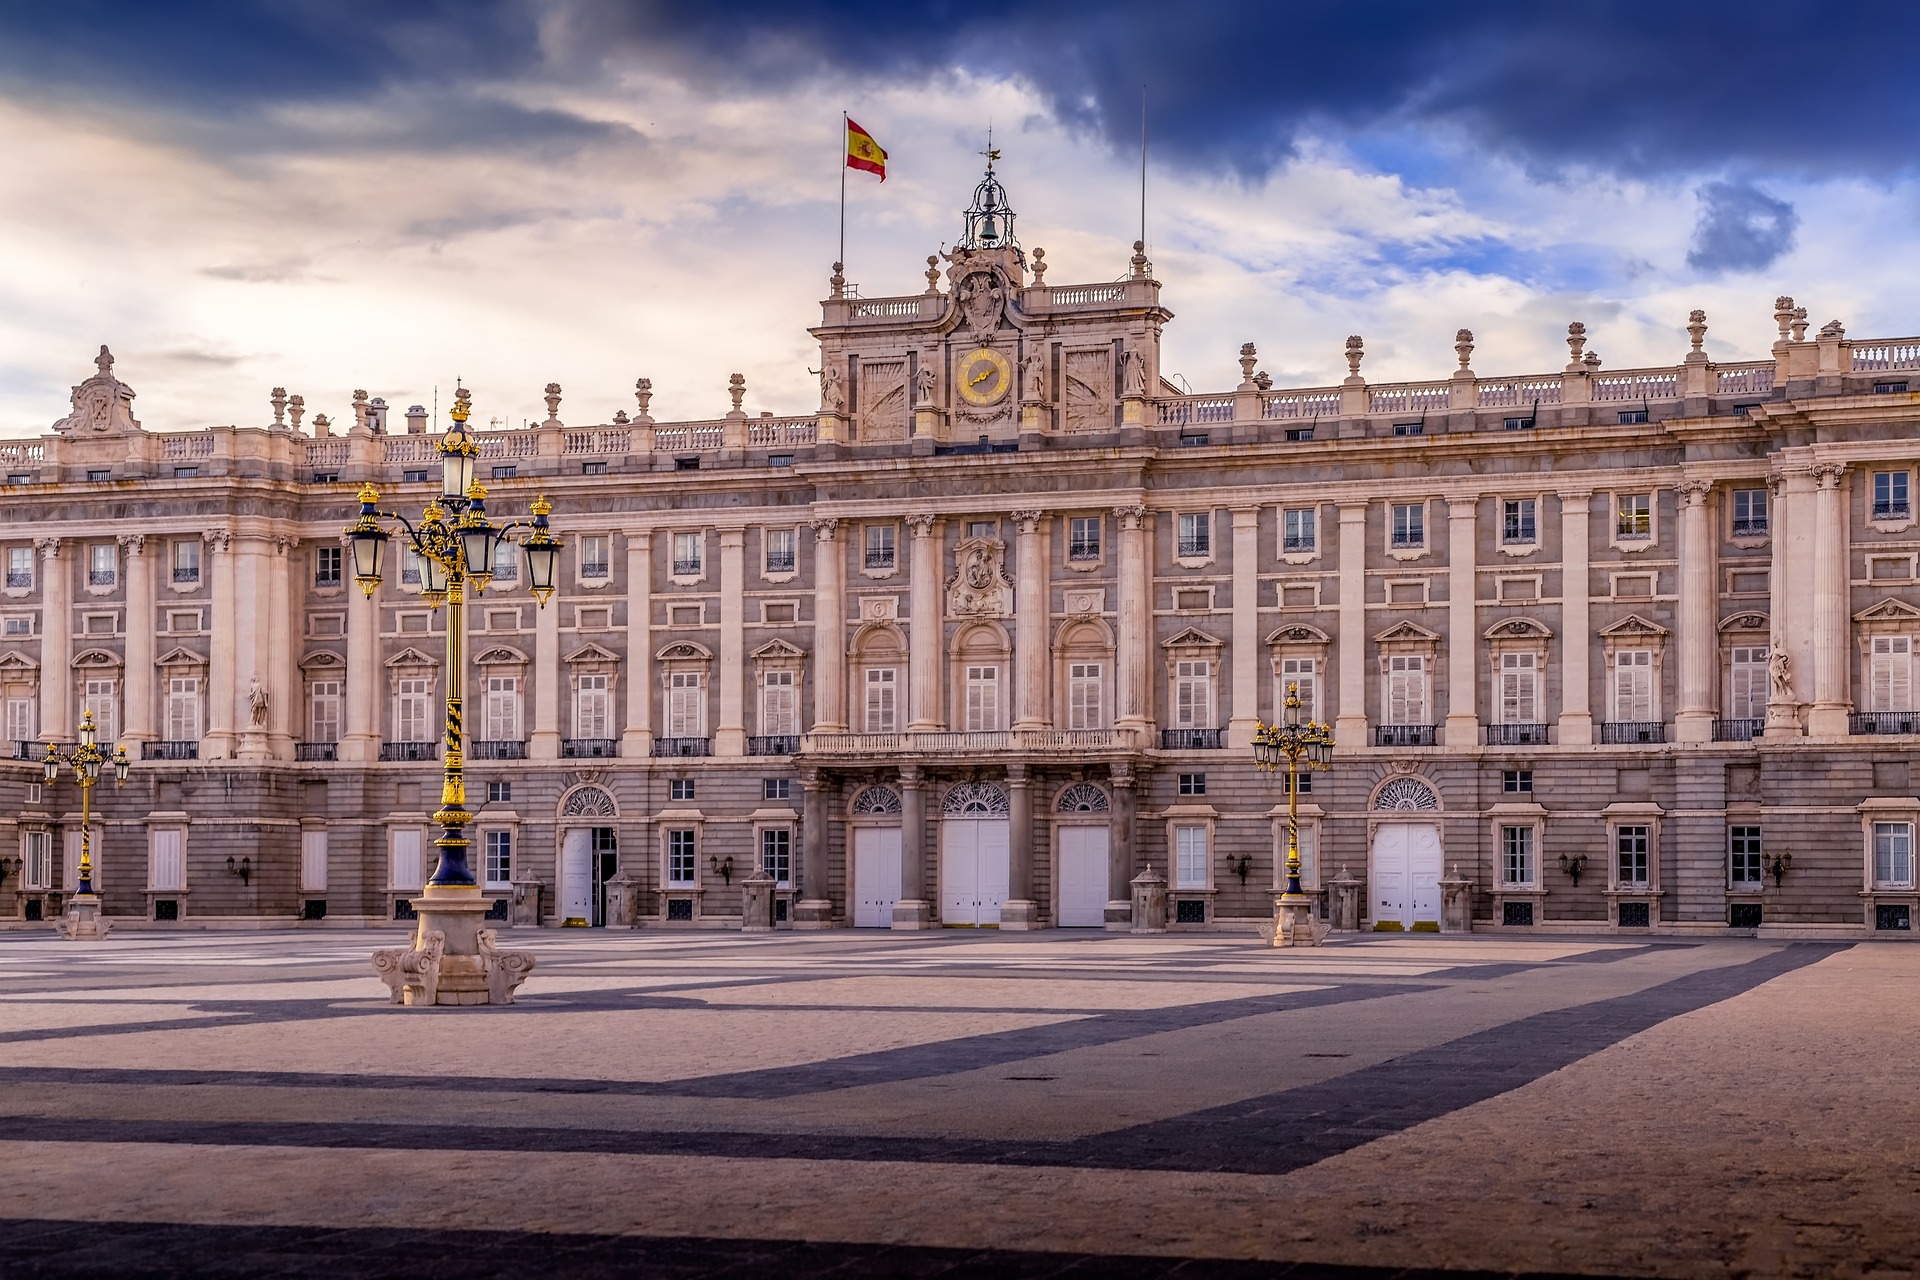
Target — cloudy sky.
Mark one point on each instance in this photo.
(331, 194)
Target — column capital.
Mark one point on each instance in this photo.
(1246, 517)
(1464, 505)
(1017, 775)
(132, 543)
(1828, 475)
(731, 538)
(1575, 499)
(1353, 512)
(49, 548)
(1131, 516)
(284, 543)
(910, 777)
(1693, 491)
(641, 539)
(921, 525)
(216, 539)
(824, 528)
(1029, 521)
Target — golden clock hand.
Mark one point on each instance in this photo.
(981, 377)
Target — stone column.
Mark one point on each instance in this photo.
(224, 650)
(1576, 622)
(924, 642)
(140, 637)
(730, 738)
(815, 908)
(636, 739)
(544, 743)
(829, 629)
(56, 643)
(1463, 632)
(1246, 628)
(1020, 910)
(1032, 697)
(279, 666)
(1693, 722)
(1135, 608)
(361, 740)
(912, 911)
(1783, 713)
(249, 581)
(1120, 850)
(1796, 588)
(1351, 726)
(1828, 718)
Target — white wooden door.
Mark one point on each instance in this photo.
(876, 876)
(313, 861)
(403, 869)
(163, 865)
(576, 875)
(974, 870)
(1083, 878)
(1387, 876)
(1423, 872)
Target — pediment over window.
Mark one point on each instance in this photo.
(319, 659)
(17, 661)
(1191, 638)
(1518, 629)
(1299, 633)
(1634, 627)
(778, 651)
(502, 655)
(96, 658)
(589, 653)
(1407, 632)
(180, 656)
(1747, 622)
(1888, 610)
(411, 657)
(685, 651)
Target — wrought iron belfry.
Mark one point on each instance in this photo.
(1293, 744)
(456, 544)
(85, 761)
(989, 219)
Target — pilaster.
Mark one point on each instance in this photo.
(815, 908)
(1032, 697)
(544, 742)
(1351, 725)
(1694, 720)
(924, 640)
(224, 649)
(1136, 623)
(139, 707)
(636, 739)
(278, 668)
(730, 737)
(56, 643)
(362, 737)
(1828, 718)
(1019, 911)
(829, 629)
(911, 911)
(1576, 620)
(1463, 638)
(1245, 717)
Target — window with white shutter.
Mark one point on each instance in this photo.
(37, 856)
(1190, 857)
(410, 711)
(502, 712)
(1893, 855)
(983, 698)
(403, 860)
(1890, 674)
(183, 709)
(324, 704)
(164, 872)
(1747, 682)
(882, 687)
(593, 707)
(1304, 672)
(1519, 688)
(1193, 694)
(98, 697)
(686, 705)
(1633, 685)
(779, 704)
(1084, 702)
(1407, 689)
(20, 719)
(313, 861)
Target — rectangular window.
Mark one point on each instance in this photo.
(324, 709)
(1890, 673)
(103, 564)
(409, 567)
(326, 566)
(686, 705)
(779, 704)
(1516, 855)
(776, 855)
(410, 709)
(983, 699)
(1633, 516)
(183, 709)
(776, 788)
(882, 685)
(1630, 849)
(593, 707)
(1517, 781)
(680, 857)
(98, 697)
(1743, 857)
(1190, 857)
(1633, 685)
(1193, 784)
(779, 545)
(1193, 695)
(1893, 855)
(1890, 495)
(502, 712)
(1407, 689)
(506, 562)
(1517, 521)
(37, 851)
(499, 793)
(1085, 706)
(1083, 538)
(18, 627)
(1196, 533)
(186, 561)
(982, 528)
(1749, 512)
(680, 788)
(1297, 531)
(1519, 688)
(689, 554)
(20, 566)
(879, 546)
(20, 719)
(594, 561)
(499, 859)
(1747, 682)
(1303, 674)
(1409, 524)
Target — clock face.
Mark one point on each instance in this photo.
(985, 376)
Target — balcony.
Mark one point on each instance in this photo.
(316, 752)
(1884, 722)
(779, 563)
(498, 749)
(686, 568)
(1891, 510)
(1737, 730)
(1620, 733)
(1516, 735)
(1068, 743)
(879, 559)
(1297, 545)
(1192, 739)
(1754, 527)
(102, 577)
(597, 569)
(37, 749)
(778, 744)
(172, 750)
(1409, 541)
(590, 748)
(409, 751)
(1403, 735)
(184, 574)
(683, 746)
(19, 578)
(1195, 548)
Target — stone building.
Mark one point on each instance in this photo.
(989, 634)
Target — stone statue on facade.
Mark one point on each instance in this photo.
(257, 702)
(1780, 673)
(923, 380)
(1033, 377)
(833, 389)
(1134, 372)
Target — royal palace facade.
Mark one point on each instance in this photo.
(989, 635)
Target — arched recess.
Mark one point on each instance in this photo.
(875, 802)
(976, 800)
(588, 800)
(1405, 793)
(977, 677)
(1082, 797)
(877, 682)
(1083, 651)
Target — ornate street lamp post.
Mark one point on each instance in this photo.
(83, 908)
(1293, 744)
(453, 960)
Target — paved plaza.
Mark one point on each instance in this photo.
(963, 1104)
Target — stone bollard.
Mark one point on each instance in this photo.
(756, 902)
(1344, 894)
(1456, 903)
(1149, 902)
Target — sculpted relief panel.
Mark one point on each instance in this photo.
(883, 395)
(1089, 389)
(980, 587)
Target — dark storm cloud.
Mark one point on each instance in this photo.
(1633, 86)
(1741, 228)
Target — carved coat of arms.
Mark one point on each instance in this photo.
(980, 587)
(980, 301)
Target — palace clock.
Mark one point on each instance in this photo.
(985, 376)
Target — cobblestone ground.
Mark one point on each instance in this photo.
(961, 1104)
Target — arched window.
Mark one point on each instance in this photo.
(875, 801)
(976, 800)
(588, 802)
(1407, 793)
(1083, 797)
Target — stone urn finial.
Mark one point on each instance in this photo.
(1249, 356)
(1697, 335)
(643, 392)
(552, 397)
(1576, 343)
(279, 402)
(296, 409)
(1039, 267)
(1463, 348)
(1783, 314)
(933, 272)
(1356, 352)
(1799, 324)
(737, 388)
(1592, 361)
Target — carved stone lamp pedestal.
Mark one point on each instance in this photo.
(83, 921)
(453, 959)
(1293, 922)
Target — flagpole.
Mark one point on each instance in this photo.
(839, 263)
(1143, 167)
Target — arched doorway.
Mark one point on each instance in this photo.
(975, 823)
(874, 824)
(589, 855)
(1403, 864)
(1080, 857)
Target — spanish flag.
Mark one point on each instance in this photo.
(863, 152)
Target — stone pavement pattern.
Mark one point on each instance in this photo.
(963, 1104)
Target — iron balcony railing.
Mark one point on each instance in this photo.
(1884, 722)
(499, 749)
(775, 744)
(1403, 735)
(879, 559)
(1632, 732)
(409, 751)
(183, 574)
(1890, 510)
(683, 746)
(170, 750)
(1516, 735)
(1752, 527)
(1297, 543)
(597, 569)
(37, 749)
(588, 748)
(102, 577)
(780, 563)
(316, 751)
(1192, 739)
(19, 577)
(1192, 547)
(1742, 730)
